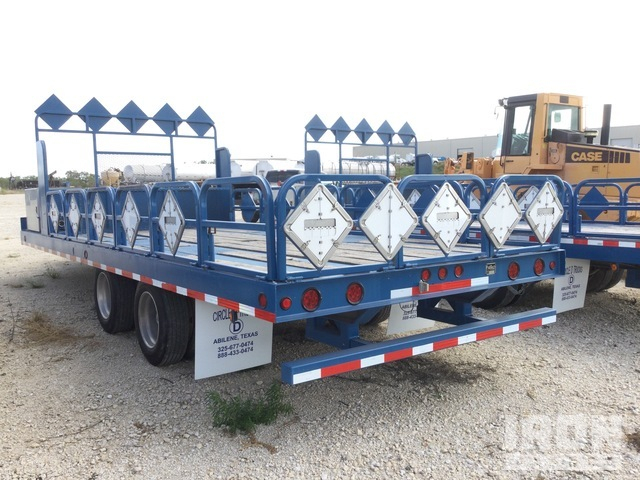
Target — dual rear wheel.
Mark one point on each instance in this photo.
(163, 320)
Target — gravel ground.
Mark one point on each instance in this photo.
(560, 401)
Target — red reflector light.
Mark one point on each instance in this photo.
(458, 271)
(355, 292)
(285, 303)
(425, 275)
(310, 299)
(538, 266)
(262, 300)
(552, 265)
(442, 273)
(513, 271)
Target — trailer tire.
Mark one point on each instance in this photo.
(381, 316)
(113, 297)
(502, 297)
(162, 324)
(599, 278)
(190, 353)
(615, 278)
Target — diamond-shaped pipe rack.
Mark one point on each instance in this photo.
(316, 129)
(95, 116)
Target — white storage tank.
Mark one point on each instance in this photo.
(358, 167)
(143, 173)
(190, 172)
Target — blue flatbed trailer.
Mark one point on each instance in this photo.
(208, 267)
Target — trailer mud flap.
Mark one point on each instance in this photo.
(356, 358)
(404, 318)
(227, 341)
(570, 289)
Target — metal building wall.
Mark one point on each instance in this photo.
(626, 136)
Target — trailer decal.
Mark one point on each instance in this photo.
(403, 352)
(238, 307)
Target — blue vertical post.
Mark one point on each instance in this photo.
(43, 186)
(424, 164)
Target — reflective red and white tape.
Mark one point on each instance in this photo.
(428, 347)
(205, 297)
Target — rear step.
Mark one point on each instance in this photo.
(356, 358)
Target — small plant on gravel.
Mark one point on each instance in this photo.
(39, 329)
(633, 439)
(35, 283)
(244, 414)
(52, 272)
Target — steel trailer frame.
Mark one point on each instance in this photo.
(195, 240)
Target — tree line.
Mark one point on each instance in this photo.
(72, 178)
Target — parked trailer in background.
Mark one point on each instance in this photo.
(600, 234)
(178, 262)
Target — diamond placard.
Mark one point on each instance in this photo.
(388, 221)
(74, 216)
(446, 218)
(130, 219)
(318, 225)
(525, 200)
(171, 221)
(544, 213)
(54, 214)
(500, 215)
(98, 217)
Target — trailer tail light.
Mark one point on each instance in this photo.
(262, 300)
(442, 273)
(458, 271)
(425, 275)
(538, 266)
(285, 303)
(513, 271)
(311, 299)
(355, 292)
(552, 265)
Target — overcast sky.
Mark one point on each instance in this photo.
(262, 69)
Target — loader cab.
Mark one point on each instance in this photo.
(530, 121)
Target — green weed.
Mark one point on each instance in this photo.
(52, 272)
(244, 414)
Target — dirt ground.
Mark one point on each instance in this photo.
(561, 401)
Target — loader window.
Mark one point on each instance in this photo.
(521, 130)
(563, 117)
